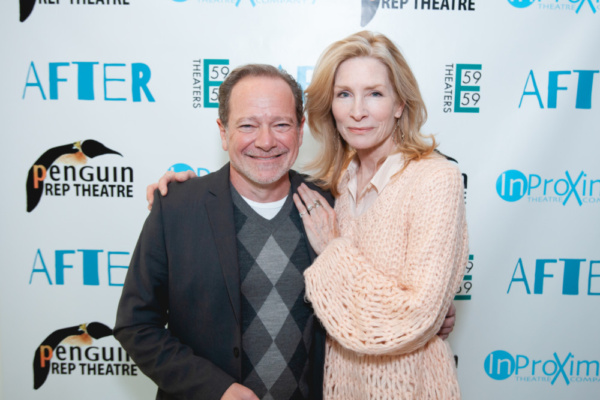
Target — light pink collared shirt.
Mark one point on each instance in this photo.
(362, 201)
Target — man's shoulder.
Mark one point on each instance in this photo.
(298, 178)
(197, 188)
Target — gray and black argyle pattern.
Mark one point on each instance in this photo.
(276, 320)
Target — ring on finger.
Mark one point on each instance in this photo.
(317, 204)
(310, 207)
(302, 214)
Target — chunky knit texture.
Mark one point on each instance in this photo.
(383, 288)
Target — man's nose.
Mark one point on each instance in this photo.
(265, 139)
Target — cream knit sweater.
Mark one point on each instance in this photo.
(383, 288)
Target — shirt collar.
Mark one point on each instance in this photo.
(392, 164)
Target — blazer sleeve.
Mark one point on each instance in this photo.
(367, 309)
(142, 315)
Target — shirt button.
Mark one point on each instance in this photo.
(236, 352)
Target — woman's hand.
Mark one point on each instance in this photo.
(318, 218)
(164, 181)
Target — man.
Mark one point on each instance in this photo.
(227, 281)
(220, 262)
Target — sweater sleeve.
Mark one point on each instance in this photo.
(370, 310)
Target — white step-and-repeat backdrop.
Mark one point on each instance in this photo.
(513, 93)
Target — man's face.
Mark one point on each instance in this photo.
(263, 135)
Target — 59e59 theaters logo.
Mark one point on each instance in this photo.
(500, 365)
(207, 75)
(560, 5)
(26, 6)
(462, 88)
(71, 177)
(370, 7)
(70, 351)
(572, 187)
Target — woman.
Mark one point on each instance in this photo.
(392, 253)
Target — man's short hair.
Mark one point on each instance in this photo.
(257, 70)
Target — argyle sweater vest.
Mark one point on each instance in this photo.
(276, 320)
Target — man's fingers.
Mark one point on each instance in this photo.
(184, 175)
(150, 194)
(451, 311)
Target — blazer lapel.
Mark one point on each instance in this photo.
(220, 214)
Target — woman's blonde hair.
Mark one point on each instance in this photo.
(335, 153)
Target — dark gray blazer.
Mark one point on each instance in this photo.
(184, 274)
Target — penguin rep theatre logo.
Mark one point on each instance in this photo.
(70, 351)
(26, 6)
(73, 177)
(370, 7)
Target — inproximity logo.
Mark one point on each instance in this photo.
(253, 3)
(552, 5)
(575, 187)
(501, 365)
(181, 167)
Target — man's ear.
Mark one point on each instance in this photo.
(301, 131)
(223, 133)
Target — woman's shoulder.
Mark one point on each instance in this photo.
(435, 164)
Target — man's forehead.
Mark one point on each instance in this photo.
(262, 96)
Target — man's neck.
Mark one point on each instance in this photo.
(267, 193)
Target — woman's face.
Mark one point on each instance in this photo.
(364, 106)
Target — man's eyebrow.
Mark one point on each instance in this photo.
(275, 118)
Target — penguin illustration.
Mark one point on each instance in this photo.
(80, 335)
(25, 8)
(72, 154)
(369, 8)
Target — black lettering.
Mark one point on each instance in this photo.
(75, 353)
(52, 171)
(99, 176)
(70, 168)
(129, 170)
(88, 177)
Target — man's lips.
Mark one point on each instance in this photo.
(264, 157)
